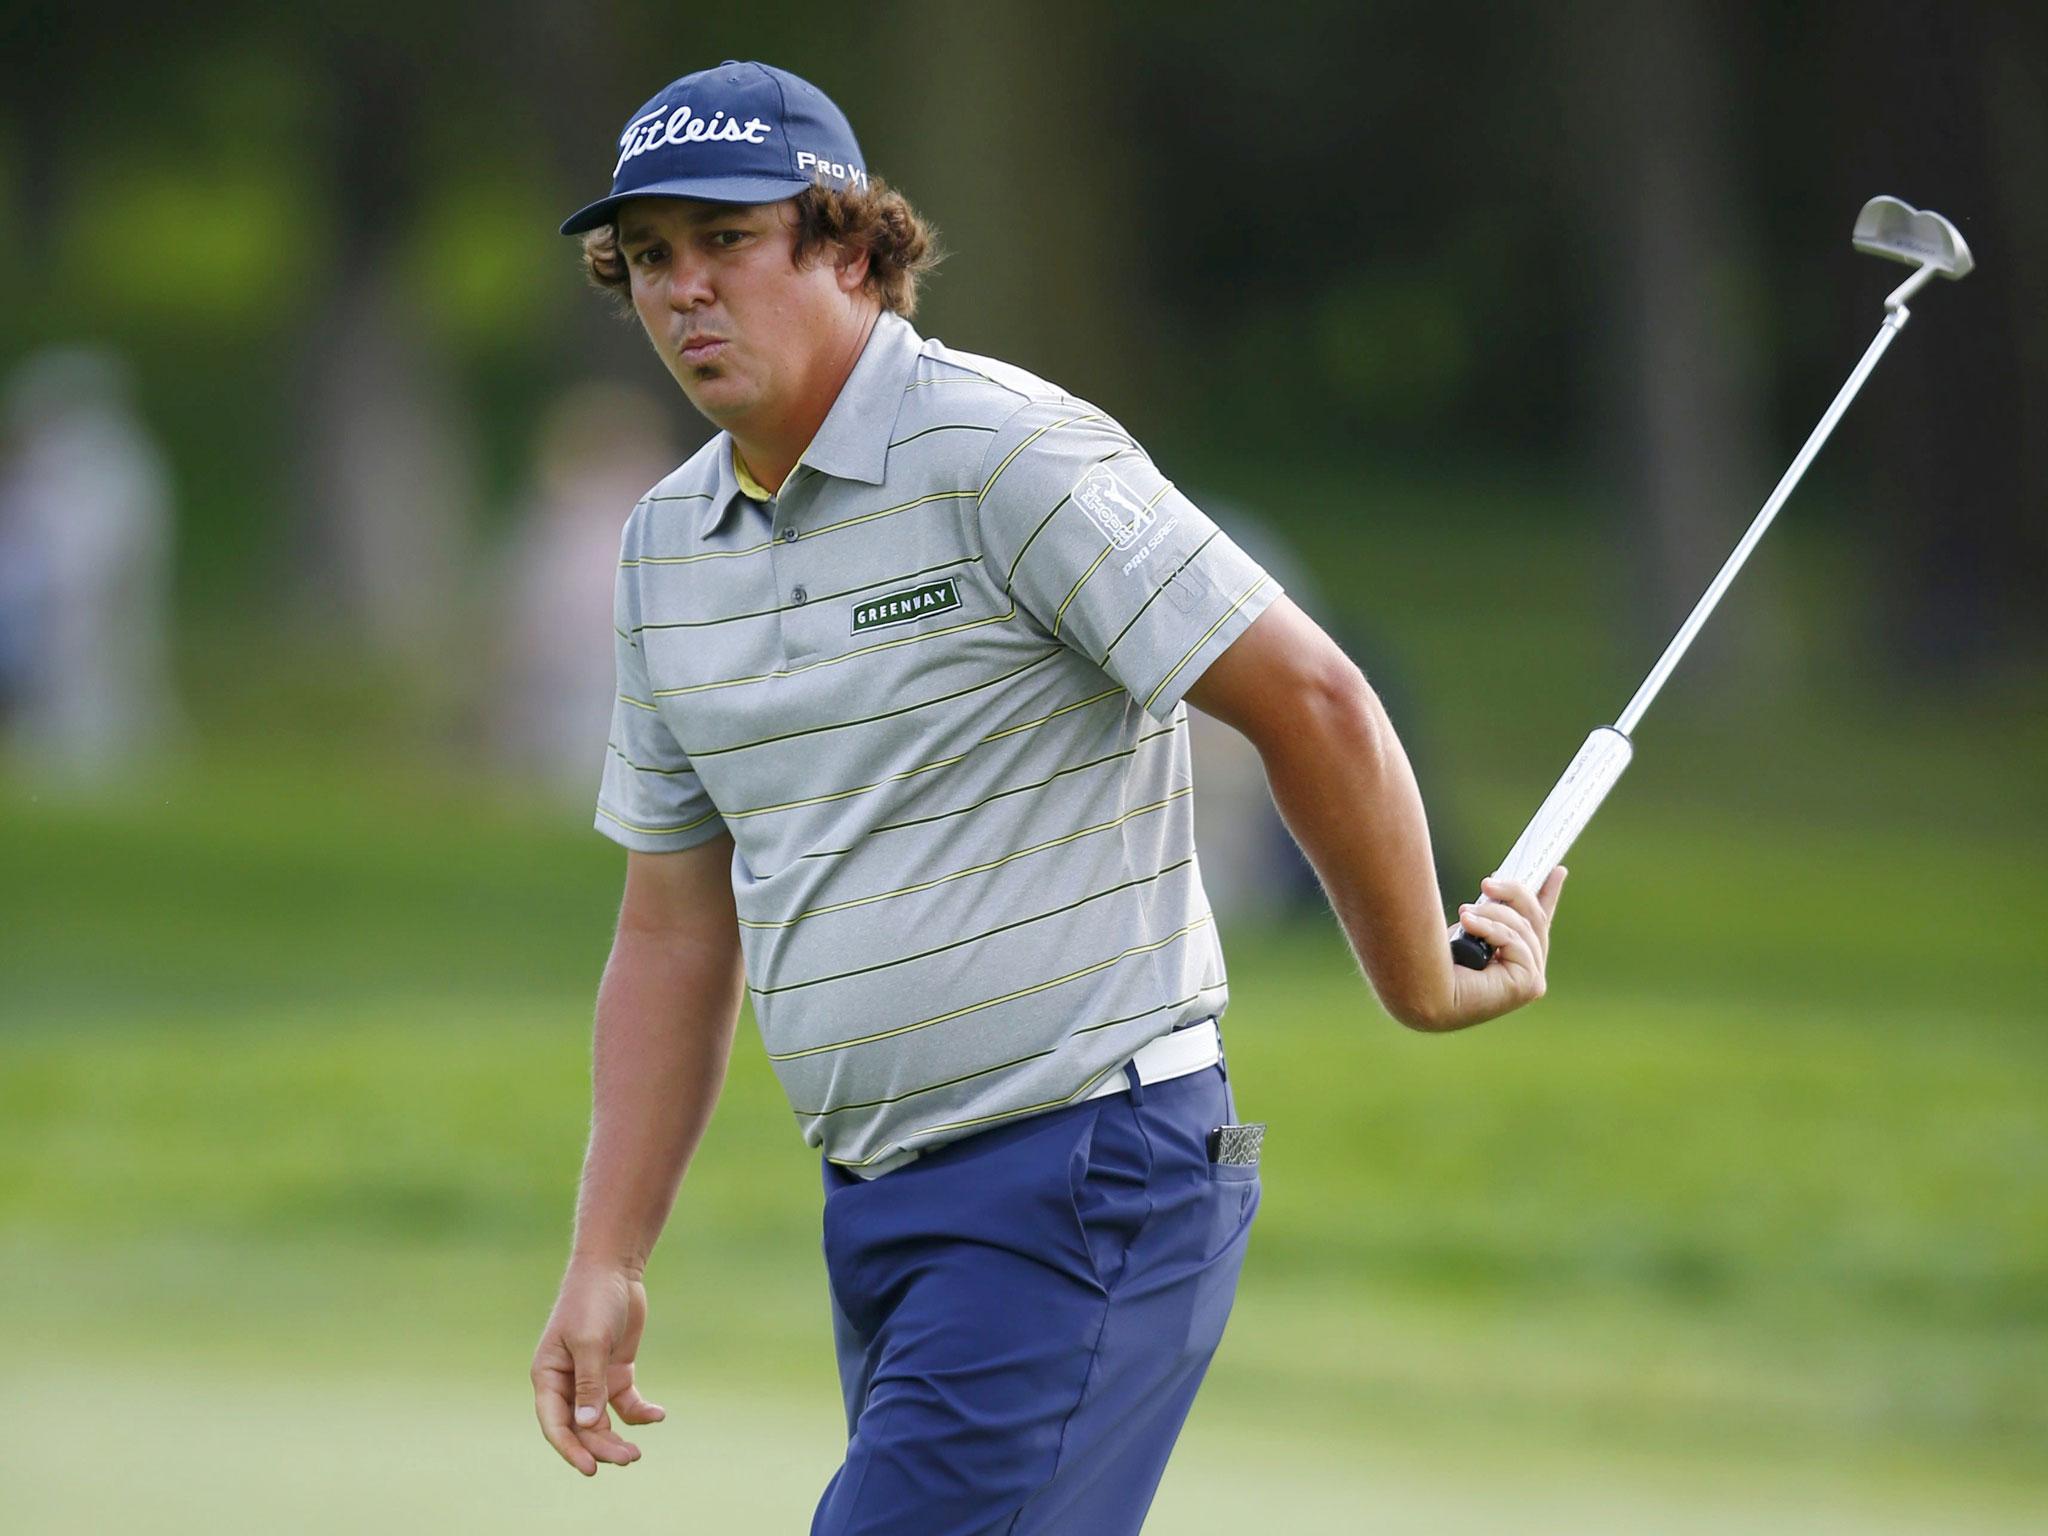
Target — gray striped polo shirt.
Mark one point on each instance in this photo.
(932, 690)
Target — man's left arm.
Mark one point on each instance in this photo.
(1088, 536)
(1343, 784)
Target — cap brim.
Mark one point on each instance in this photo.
(706, 189)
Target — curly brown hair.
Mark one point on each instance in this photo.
(901, 247)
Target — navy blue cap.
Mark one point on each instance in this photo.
(740, 133)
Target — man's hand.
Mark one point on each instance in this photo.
(1517, 925)
(585, 1361)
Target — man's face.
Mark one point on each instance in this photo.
(737, 322)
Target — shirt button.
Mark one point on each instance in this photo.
(799, 596)
(789, 535)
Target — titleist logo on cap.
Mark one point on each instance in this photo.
(684, 127)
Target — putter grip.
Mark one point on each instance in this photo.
(1471, 951)
(1556, 825)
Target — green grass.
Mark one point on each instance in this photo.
(1745, 1227)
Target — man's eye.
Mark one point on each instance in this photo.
(646, 256)
(726, 239)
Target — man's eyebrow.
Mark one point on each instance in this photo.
(711, 213)
(630, 233)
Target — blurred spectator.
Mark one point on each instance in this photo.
(1250, 864)
(391, 480)
(85, 570)
(601, 448)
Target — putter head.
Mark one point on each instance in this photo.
(1900, 232)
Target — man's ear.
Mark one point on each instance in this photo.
(850, 267)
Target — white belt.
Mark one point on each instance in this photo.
(1175, 1055)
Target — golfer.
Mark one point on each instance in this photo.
(900, 752)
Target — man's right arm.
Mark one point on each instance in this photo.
(666, 1011)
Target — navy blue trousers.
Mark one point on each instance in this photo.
(1022, 1317)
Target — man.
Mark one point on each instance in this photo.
(900, 750)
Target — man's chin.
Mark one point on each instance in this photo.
(715, 392)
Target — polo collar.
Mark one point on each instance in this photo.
(853, 440)
(724, 492)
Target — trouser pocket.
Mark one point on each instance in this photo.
(1107, 1179)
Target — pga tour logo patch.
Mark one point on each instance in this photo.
(1116, 508)
(902, 607)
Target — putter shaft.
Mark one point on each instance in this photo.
(1894, 322)
(1888, 228)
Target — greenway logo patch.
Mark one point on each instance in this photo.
(902, 607)
(1108, 498)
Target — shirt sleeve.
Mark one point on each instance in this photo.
(649, 799)
(1101, 549)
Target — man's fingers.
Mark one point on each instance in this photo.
(1493, 924)
(551, 1407)
(572, 1450)
(635, 1409)
(592, 1357)
(1518, 940)
(593, 1424)
(1510, 893)
(1516, 898)
(605, 1444)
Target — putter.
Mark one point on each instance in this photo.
(1886, 227)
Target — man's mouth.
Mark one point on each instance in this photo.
(701, 348)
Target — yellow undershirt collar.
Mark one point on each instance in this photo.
(751, 488)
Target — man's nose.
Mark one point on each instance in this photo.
(689, 283)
